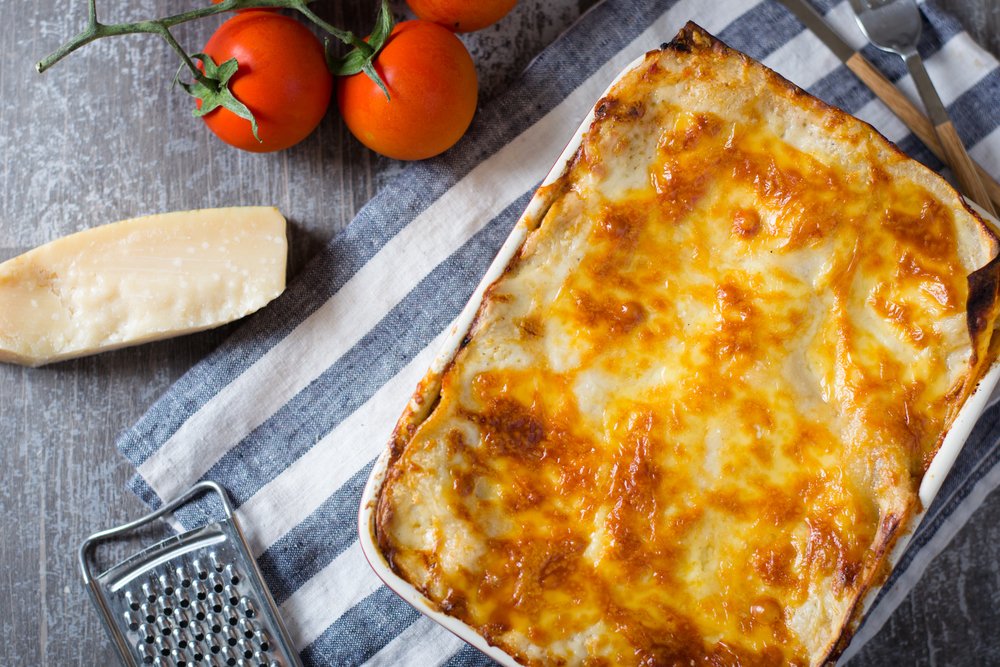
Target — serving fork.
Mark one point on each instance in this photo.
(894, 26)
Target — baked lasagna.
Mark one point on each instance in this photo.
(691, 417)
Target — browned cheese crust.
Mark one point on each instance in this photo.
(691, 418)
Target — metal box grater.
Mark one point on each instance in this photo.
(196, 599)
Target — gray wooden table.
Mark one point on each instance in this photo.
(102, 137)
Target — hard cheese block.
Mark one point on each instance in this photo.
(140, 280)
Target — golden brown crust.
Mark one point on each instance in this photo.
(790, 320)
(982, 305)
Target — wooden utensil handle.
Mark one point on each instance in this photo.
(962, 165)
(921, 126)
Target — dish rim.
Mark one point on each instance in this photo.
(930, 484)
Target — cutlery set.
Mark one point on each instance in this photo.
(894, 26)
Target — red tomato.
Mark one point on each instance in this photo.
(433, 88)
(462, 15)
(282, 78)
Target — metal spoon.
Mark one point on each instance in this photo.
(894, 26)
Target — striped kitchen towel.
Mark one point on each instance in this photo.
(291, 412)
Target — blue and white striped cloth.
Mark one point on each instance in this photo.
(291, 412)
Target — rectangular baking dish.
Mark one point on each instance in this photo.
(535, 211)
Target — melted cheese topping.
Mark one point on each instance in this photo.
(693, 414)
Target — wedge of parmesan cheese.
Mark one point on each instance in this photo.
(140, 280)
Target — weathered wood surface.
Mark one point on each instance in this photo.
(89, 143)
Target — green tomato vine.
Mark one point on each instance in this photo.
(210, 84)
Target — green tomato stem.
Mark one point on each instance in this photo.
(96, 30)
(211, 85)
(346, 36)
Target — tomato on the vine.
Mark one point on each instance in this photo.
(433, 88)
(462, 15)
(282, 79)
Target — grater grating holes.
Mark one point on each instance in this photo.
(196, 616)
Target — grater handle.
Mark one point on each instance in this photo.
(93, 540)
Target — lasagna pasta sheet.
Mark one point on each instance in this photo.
(691, 418)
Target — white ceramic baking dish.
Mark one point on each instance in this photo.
(930, 485)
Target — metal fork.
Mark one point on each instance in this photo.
(894, 26)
